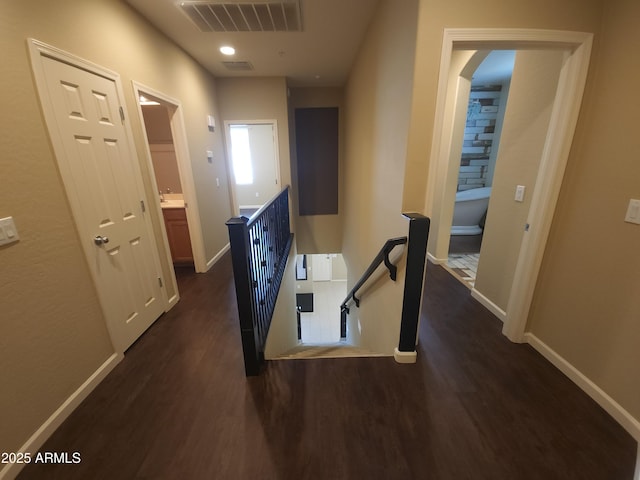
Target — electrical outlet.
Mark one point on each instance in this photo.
(8, 231)
(633, 212)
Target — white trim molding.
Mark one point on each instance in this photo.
(41, 435)
(181, 147)
(38, 51)
(276, 151)
(218, 256)
(435, 260)
(613, 408)
(564, 117)
(489, 305)
(405, 357)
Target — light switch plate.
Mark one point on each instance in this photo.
(633, 212)
(519, 193)
(8, 231)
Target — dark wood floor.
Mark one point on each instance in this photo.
(465, 243)
(475, 406)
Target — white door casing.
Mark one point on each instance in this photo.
(268, 170)
(85, 116)
(562, 125)
(179, 134)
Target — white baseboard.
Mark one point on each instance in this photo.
(33, 444)
(217, 257)
(437, 261)
(405, 357)
(172, 302)
(489, 305)
(624, 418)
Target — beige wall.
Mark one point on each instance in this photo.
(586, 304)
(156, 123)
(318, 233)
(165, 164)
(283, 333)
(377, 108)
(52, 332)
(338, 268)
(258, 99)
(165, 168)
(458, 89)
(434, 16)
(526, 121)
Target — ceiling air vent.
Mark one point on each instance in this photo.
(238, 66)
(256, 16)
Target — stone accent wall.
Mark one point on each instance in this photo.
(484, 102)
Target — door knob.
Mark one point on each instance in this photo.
(100, 240)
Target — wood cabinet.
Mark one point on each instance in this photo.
(175, 220)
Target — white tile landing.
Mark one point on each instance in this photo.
(464, 266)
(322, 326)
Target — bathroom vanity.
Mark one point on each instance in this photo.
(175, 220)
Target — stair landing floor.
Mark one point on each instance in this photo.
(474, 406)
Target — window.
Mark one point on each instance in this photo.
(241, 154)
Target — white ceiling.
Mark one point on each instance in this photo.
(320, 55)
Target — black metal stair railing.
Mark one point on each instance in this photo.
(413, 282)
(260, 248)
(382, 256)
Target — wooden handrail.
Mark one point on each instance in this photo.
(382, 256)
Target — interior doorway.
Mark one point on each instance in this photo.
(523, 132)
(484, 119)
(252, 147)
(169, 161)
(576, 50)
(168, 182)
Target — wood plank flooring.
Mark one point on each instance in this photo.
(475, 406)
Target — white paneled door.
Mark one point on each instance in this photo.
(86, 121)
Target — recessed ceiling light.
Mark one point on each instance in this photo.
(226, 50)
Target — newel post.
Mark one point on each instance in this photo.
(240, 258)
(413, 286)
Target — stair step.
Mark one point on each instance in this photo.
(337, 350)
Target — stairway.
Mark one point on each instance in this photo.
(332, 350)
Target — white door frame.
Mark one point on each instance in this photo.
(38, 49)
(179, 134)
(562, 125)
(227, 138)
